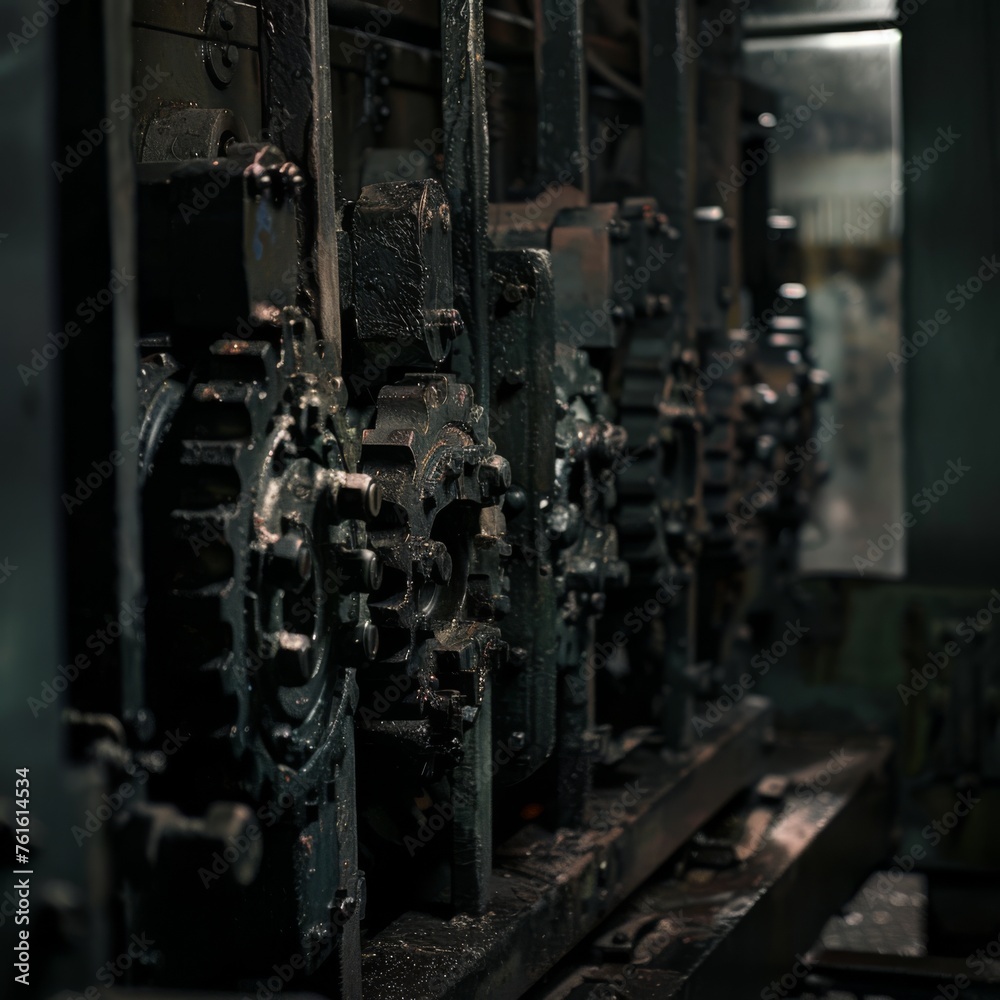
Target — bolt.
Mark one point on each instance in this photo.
(517, 500)
(226, 823)
(293, 662)
(517, 741)
(227, 17)
(363, 569)
(358, 495)
(292, 177)
(230, 56)
(344, 904)
(517, 656)
(442, 566)
(494, 474)
(366, 635)
(281, 735)
(289, 563)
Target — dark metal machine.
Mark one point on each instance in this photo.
(449, 388)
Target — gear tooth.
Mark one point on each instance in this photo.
(224, 587)
(201, 486)
(204, 554)
(251, 361)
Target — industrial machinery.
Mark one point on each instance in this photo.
(448, 410)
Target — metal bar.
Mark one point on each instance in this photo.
(122, 224)
(295, 57)
(561, 86)
(548, 890)
(472, 798)
(734, 932)
(902, 976)
(466, 178)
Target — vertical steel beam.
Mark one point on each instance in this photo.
(298, 113)
(668, 107)
(122, 224)
(466, 178)
(669, 133)
(561, 87)
(472, 800)
(669, 141)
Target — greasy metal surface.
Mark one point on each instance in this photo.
(466, 165)
(712, 932)
(561, 78)
(524, 426)
(549, 889)
(403, 292)
(295, 69)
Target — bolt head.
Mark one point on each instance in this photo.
(289, 561)
(293, 662)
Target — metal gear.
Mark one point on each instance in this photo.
(440, 544)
